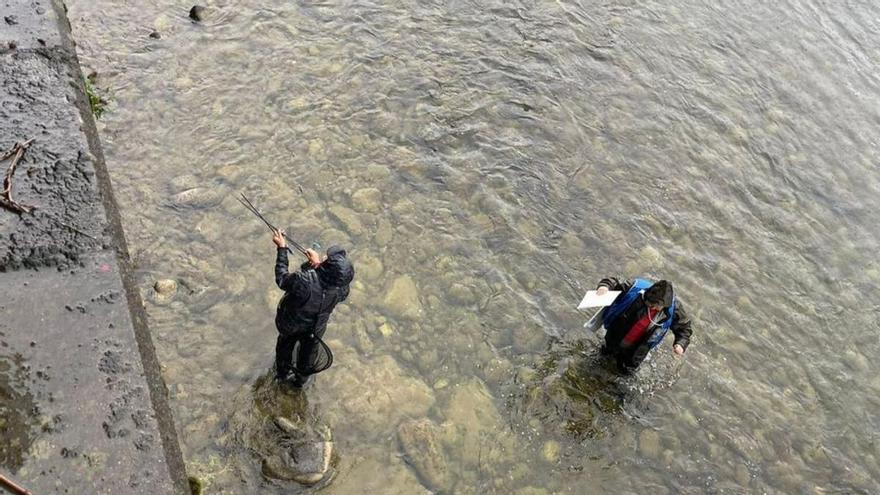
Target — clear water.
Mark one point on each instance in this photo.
(500, 158)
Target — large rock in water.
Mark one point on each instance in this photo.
(305, 455)
(474, 429)
(290, 440)
(420, 442)
(402, 299)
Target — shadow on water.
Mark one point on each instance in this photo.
(17, 412)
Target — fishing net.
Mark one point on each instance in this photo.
(312, 356)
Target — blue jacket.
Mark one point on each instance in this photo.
(630, 307)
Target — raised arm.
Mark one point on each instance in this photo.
(285, 280)
(613, 283)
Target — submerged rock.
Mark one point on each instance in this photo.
(349, 219)
(474, 429)
(369, 267)
(165, 287)
(368, 200)
(198, 197)
(288, 437)
(372, 473)
(375, 393)
(420, 442)
(402, 299)
(550, 451)
(304, 455)
(197, 13)
(649, 443)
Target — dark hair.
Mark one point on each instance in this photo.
(659, 293)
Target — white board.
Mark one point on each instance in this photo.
(593, 300)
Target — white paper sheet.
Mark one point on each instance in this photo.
(592, 300)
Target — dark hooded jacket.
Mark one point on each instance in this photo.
(629, 358)
(311, 294)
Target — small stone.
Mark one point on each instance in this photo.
(460, 294)
(385, 330)
(856, 361)
(165, 287)
(197, 13)
(742, 475)
(369, 267)
(384, 233)
(550, 451)
(286, 425)
(195, 485)
(11, 20)
(155, 35)
(650, 256)
(441, 384)
(316, 147)
(162, 23)
(198, 197)
(649, 443)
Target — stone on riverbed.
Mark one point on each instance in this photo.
(348, 218)
(419, 439)
(374, 394)
(197, 13)
(474, 430)
(402, 299)
(369, 267)
(371, 473)
(649, 443)
(198, 197)
(305, 460)
(165, 287)
(368, 200)
(289, 438)
(550, 451)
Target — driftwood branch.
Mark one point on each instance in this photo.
(12, 487)
(16, 152)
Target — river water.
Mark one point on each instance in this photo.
(485, 163)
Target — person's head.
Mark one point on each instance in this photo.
(659, 295)
(336, 270)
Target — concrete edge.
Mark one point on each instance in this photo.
(149, 360)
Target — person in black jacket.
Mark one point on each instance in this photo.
(638, 326)
(310, 295)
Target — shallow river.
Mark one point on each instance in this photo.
(485, 163)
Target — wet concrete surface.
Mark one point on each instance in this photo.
(84, 406)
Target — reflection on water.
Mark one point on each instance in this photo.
(485, 163)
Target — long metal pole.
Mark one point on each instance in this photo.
(250, 206)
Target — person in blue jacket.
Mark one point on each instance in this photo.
(639, 318)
